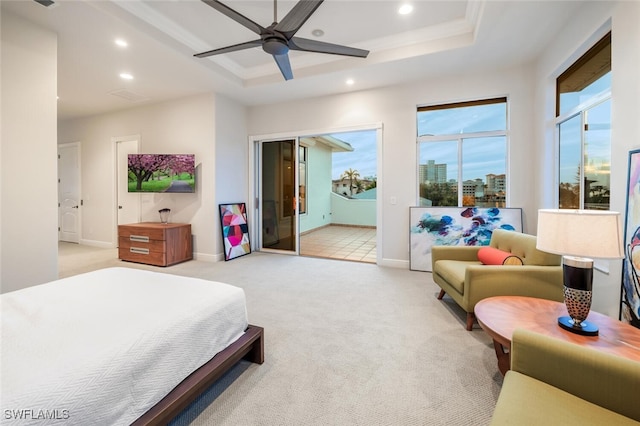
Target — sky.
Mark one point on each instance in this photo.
(481, 155)
(363, 157)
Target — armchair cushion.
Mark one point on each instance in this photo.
(453, 271)
(531, 402)
(494, 256)
(557, 382)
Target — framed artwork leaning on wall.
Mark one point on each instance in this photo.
(235, 230)
(630, 289)
(455, 226)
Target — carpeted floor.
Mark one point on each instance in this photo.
(345, 344)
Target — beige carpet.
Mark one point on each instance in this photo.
(345, 344)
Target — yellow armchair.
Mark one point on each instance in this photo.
(459, 273)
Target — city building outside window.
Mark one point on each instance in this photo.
(462, 154)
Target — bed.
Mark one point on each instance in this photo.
(119, 346)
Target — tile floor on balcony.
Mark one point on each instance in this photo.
(340, 242)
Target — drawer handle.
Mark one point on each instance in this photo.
(139, 250)
(139, 238)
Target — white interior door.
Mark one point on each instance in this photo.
(69, 192)
(128, 203)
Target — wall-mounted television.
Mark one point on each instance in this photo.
(162, 173)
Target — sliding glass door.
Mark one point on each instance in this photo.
(278, 195)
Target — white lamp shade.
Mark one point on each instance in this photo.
(583, 233)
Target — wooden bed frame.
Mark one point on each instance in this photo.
(249, 346)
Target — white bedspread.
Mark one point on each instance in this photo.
(101, 348)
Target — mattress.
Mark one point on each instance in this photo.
(105, 346)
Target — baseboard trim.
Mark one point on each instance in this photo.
(94, 243)
(205, 257)
(394, 263)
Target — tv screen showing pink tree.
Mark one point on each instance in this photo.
(161, 173)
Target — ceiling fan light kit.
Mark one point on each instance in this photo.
(279, 37)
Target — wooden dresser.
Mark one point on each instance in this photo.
(155, 243)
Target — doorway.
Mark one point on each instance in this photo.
(69, 201)
(351, 233)
(278, 194)
(298, 209)
(127, 203)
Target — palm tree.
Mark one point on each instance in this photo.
(351, 175)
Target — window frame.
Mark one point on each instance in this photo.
(303, 163)
(580, 110)
(460, 137)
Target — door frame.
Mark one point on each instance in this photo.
(114, 148)
(254, 191)
(258, 194)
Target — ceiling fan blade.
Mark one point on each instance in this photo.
(45, 3)
(307, 45)
(284, 65)
(296, 17)
(241, 19)
(234, 48)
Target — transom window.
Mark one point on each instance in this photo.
(462, 154)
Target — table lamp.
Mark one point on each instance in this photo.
(579, 236)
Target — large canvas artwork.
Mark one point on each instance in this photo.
(235, 230)
(630, 292)
(455, 226)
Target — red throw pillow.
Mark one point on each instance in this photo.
(493, 256)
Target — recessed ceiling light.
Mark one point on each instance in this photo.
(405, 9)
(350, 82)
(122, 43)
(126, 76)
(317, 32)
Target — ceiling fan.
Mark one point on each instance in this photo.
(278, 38)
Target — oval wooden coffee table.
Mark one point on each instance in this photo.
(500, 316)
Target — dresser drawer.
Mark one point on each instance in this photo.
(138, 233)
(139, 255)
(150, 245)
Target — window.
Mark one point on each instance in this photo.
(462, 154)
(583, 120)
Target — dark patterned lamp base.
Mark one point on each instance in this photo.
(578, 282)
(585, 328)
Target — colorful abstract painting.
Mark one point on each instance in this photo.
(235, 230)
(630, 293)
(455, 226)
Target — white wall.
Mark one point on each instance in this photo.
(579, 35)
(231, 175)
(345, 211)
(29, 209)
(395, 108)
(185, 126)
(318, 188)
